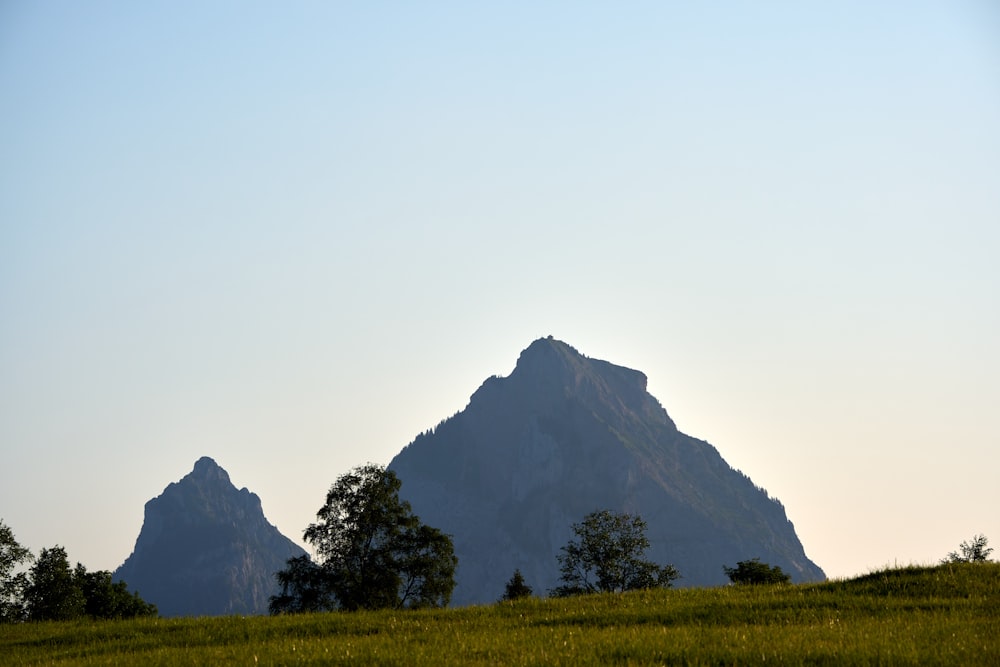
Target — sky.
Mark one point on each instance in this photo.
(293, 236)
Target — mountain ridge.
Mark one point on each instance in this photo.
(564, 435)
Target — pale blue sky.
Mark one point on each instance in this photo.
(291, 236)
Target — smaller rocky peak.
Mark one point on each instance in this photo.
(207, 469)
(211, 478)
(206, 548)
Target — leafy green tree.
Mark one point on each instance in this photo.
(516, 588)
(104, 598)
(426, 561)
(305, 587)
(12, 583)
(372, 552)
(606, 556)
(973, 551)
(754, 572)
(53, 593)
(50, 590)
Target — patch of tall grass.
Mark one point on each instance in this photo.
(948, 614)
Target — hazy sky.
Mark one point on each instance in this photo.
(292, 236)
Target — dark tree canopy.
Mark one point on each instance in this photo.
(973, 551)
(754, 572)
(516, 588)
(104, 598)
(372, 552)
(53, 594)
(606, 557)
(12, 584)
(50, 590)
(305, 587)
(56, 593)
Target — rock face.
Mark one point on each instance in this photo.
(562, 436)
(205, 548)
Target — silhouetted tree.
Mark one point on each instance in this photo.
(973, 551)
(754, 572)
(53, 594)
(516, 588)
(606, 556)
(373, 552)
(50, 590)
(305, 587)
(12, 584)
(426, 564)
(104, 598)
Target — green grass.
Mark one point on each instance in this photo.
(949, 614)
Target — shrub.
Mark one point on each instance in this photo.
(754, 572)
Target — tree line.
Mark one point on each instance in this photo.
(372, 552)
(50, 590)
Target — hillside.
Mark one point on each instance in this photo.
(944, 615)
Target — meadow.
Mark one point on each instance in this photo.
(946, 614)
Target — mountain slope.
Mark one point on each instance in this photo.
(565, 435)
(206, 549)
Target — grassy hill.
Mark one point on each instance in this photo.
(948, 614)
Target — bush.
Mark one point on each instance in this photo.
(516, 588)
(606, 557)
(973, 551)
(754, 572)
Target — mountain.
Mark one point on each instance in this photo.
(565, 435)
(205, 548)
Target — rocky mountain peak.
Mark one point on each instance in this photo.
(565, 435)
(206, 469)
(551, 374)
(551, 356)
(205, 548)
(553, 359)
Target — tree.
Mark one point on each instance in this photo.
(426, 561)
(52, 594)
(973, 551)
(372, 552)
(516, 588)
(754, 572)
(12, 583)
(50, 590)
(606, 556)
(304, 588)
(103, 598)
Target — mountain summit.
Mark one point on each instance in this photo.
(562, 436)
(206, 549)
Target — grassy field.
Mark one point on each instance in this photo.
(947, 615)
